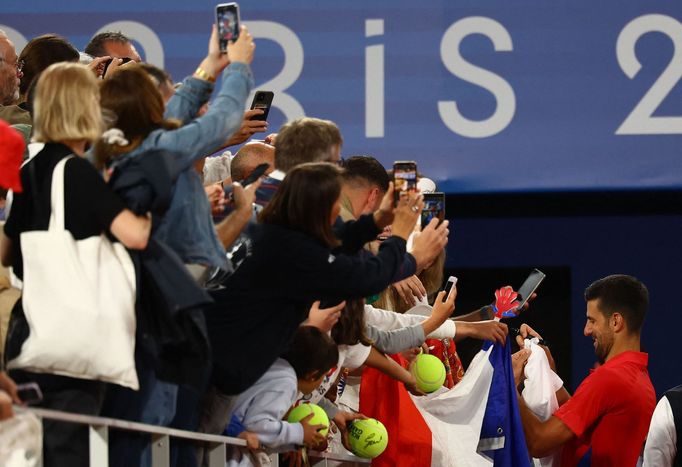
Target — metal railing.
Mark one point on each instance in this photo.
(215, 445)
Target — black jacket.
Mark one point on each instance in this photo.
(269, 295)
(171, 326)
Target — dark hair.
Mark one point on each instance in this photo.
(368, 169)
(305, 140)
(159, 74)
(134, 103)
(95, 47)
(621, 294)
(40, 53)
(305, 199)
(350, 328)
(311, 351)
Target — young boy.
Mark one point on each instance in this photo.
(259, 410)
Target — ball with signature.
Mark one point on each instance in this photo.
(368, 437)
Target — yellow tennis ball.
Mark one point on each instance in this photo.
(319, 418)
(368, 437)
(429, 372)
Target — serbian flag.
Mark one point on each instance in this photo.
(476, 423)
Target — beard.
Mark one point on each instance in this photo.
(9, 93)
(602, 348)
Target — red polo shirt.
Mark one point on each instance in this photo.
(610, 411)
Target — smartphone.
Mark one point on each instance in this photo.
(434, 206)
(404, 178)
(256, 174)
(452, 281)
(29, 393)
(531, 283)
(262, 100)
(108, 62)
(227, 20)
(253, 176)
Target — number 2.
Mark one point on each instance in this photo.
(641, 120)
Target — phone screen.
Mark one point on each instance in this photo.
(452, 280)
(227, 20)
(529, 286)
(404, 178)
(434, 206)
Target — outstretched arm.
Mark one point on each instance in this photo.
(542, 438)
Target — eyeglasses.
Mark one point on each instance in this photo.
(19, 64)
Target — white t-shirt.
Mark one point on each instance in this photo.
(661, 442)
(351, 357)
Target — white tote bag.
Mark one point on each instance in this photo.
(79, 301)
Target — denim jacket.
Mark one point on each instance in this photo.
(187, 226)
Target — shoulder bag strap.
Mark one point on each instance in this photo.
(57, 196)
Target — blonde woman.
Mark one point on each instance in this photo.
(67, 118)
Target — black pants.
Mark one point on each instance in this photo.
(65, 444)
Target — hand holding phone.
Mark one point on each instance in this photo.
(434, 207)
(452, 281)
(262, 100)
(529, 286)
(119, 62)
(247, 196)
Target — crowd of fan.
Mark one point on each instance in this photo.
(272, 305)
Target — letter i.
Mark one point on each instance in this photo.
(374, 81)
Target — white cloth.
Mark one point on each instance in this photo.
(277, 175)
(217, 169)
(539, 392)
(21, 441)
(455, 416)
(661, 442)
(34, 149)
(351, 357)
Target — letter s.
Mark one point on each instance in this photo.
(453, 61)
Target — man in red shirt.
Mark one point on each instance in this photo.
(611, 409)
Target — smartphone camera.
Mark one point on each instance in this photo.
(262, 100)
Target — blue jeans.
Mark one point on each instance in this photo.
(154, 404)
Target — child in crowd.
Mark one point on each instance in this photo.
(259, 410)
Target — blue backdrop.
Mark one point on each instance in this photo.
(486, 95)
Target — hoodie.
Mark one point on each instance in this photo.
(261, 407)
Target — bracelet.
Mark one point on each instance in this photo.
(203, 74)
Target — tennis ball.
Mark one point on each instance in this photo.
(368, 437)
(429, 372)
(302, 411)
